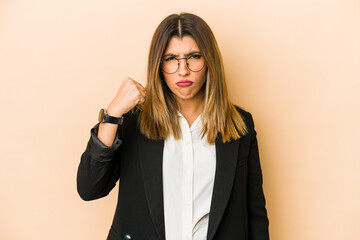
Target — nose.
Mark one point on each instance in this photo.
(183, 68)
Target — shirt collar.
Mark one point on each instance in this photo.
(195, 125)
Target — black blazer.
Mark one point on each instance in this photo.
(237, 209)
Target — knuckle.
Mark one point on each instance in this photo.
(129, 80)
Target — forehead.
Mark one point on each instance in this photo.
(181, 46)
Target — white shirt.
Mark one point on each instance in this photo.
(188, 179)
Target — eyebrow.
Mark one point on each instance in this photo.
(186, 54)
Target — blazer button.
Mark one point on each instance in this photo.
(127, 237)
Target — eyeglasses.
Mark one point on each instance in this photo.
(194, 62)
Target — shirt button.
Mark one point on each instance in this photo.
(187, 203)
(187, 238)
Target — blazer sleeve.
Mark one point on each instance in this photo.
(257, 214)
(99, 169)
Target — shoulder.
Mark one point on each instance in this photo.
(246, 116)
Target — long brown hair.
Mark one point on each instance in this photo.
(158, 116)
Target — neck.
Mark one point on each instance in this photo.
(191, 108)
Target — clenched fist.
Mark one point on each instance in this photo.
(128, 96)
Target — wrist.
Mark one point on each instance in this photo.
(114, 113)
(105, 117)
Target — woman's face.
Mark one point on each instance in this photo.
(184, 83)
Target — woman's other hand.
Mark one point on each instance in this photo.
(128, 96)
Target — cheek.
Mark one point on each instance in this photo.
(203, 78)
(168, 82)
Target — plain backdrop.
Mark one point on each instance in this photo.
(293, 64)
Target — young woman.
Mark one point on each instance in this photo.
(186, 157)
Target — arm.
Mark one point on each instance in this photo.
(257, 215)
(99, 169)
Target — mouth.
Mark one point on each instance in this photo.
(184, 83)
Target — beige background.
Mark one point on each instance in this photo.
(293, 64)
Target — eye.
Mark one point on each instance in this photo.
(195, 56)
(170, 58)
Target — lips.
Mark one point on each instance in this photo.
(184, 83)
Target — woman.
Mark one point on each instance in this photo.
(186, 157)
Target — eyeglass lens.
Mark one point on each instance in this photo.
(195, 62)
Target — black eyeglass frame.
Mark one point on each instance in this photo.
(186, 61)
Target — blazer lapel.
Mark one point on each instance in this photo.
(226, 160)
(150, 155)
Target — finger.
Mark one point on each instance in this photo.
(127, 80)
(142, 92)
(140, 100)
(139, 85)
(141, 89)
